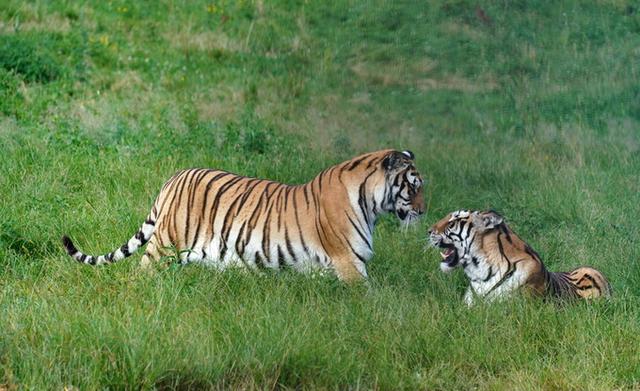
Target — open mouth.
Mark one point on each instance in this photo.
(449, 255)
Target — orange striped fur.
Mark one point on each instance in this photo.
(223, 219)
(497, 262)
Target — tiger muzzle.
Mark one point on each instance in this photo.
(448, 252)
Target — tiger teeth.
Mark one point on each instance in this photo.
(443, 256)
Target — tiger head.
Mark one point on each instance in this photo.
(460, 234)
(404, 186)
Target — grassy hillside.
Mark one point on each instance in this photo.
(528, 107)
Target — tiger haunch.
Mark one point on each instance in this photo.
(223, 219)
(497, 262)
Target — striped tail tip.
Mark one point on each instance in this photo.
(68, 245)
(75, 253)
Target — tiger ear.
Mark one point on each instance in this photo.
(409, 154)
(487, 220)
(396, 160)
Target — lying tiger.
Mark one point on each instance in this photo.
(498, 262)
(223, 219)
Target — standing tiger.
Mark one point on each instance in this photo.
(498, 262)
(223, 219)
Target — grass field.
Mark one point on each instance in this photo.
(528, 107)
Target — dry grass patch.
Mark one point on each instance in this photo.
(221, 105)
(338, 122)
(331, 117)
(127, 81)
(393, 74)
(412, 75)
(461, 29)
(89, 116)
(457, 83)
(206, 41)
(124, 105)
(40, 22)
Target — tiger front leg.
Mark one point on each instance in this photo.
(489, 295)
(349, 269)
(504, 292)
(469, 297)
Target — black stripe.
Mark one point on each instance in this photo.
(319, 178)
(306, 198)
(531, 252)
(233, 210)
(360, 257)
(240, 243)
(501, 248)
(295, 211)
(248, 191)
(356, 163)
(216, 201)
(208, 187)
(469, 226)
(330, 172)
(322, 236)
(223, 250)
(490, 274)
(279, 203)
(462, 224)
(125, 250)
(227, 224)
(289, 246)
(281, 260)
(177, 182)
(593, 281)
(255, 215)
(188, 176)
(170, 188)
(287, 190)
(197, 177)
(201, 219)
(259, 260)
(456, 234)
(362, 199)
(358, 230)
(266, 233)
(373, 161)
(505, 231)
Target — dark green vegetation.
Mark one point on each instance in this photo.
(528, 107)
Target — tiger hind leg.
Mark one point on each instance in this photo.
(153, 253)
(589, 283)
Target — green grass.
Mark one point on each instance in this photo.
(528, 107)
